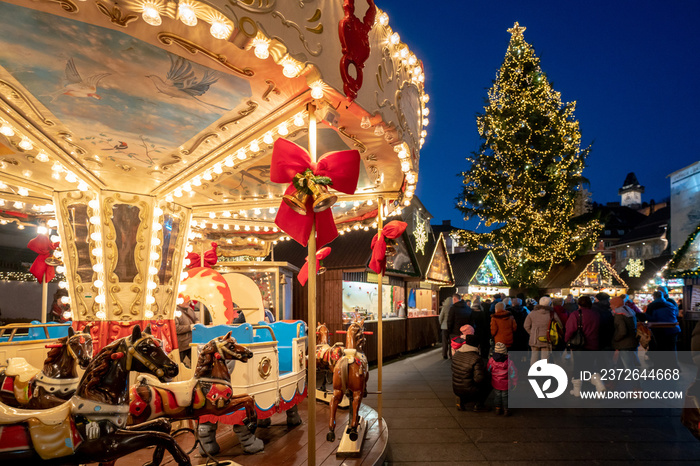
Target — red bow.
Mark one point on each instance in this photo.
(304, 272)
(43, 246)
(392, 230)
(210, 257)
(342, 167)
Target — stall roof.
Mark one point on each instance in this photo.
(565, 274)
(685, 262)
(466, 264)
(439, 269)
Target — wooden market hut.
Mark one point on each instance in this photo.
(588, 274)
(478, 272)
(347, 278)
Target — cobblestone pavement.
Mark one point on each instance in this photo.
(426, 428)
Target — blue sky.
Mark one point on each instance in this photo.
(631, 66)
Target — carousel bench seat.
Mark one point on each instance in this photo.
(55, 331)
(202, 334)
(285, 332)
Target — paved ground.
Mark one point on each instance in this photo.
(425, 427)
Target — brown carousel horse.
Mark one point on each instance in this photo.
(208, 392)
(326, 355)
(350, 376)
(91, 427)
(23, 386)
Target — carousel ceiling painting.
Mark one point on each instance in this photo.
(139, 97)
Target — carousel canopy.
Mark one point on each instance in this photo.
(183, 101)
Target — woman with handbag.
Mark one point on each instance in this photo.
(582, 335)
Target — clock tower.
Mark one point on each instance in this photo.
(631, 192)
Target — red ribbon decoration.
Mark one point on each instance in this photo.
(304, 272)
(392, 230)
(210, 257)
(43, 246)
(342, 167)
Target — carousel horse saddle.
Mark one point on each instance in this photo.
(182, 391)
(20, 369)
(50, 417)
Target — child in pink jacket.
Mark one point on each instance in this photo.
(504, 375)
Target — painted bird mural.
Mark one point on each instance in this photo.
(77, 87)
(181, 83)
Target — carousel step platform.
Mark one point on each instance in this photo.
(287, 446)
(352, 448)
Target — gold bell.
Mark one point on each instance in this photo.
(321, 270)
(390, 247)
(53, 261)
(297, 201)
(322, 198)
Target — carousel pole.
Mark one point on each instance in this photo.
(380, 341)
(44, 298)
(311, 366)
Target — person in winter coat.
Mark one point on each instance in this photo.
(520, 336)
(458, 315)
(590, 324)
(470, 379)
(184, 323)
(444, 330)
(625, 335)
(558, 306)
(662, 311)
(457, 342)
(537, 325)
(570, 304)
(480, 321)
(607, 326)
(497, 298)
(503, 326)
(504, 375)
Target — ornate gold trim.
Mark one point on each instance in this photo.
(357, 144)
(66, 136)
(109, 248)
(252, 106)
(66, 5)
(16, 94)
(293, 25)
(265, 367)
(115, 14)
(271, 87)
(202, 139)
(168, 38)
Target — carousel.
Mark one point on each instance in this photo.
(147, 140)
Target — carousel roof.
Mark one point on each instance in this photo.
(134, 97)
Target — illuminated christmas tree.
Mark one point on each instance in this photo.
(525, 177)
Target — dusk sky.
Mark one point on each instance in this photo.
(631, 66)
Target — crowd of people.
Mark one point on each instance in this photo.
(478, 335)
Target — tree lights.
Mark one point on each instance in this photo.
(524, 178)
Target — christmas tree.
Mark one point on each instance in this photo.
(525, 177)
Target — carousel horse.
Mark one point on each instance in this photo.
(326, 355)
(208, 392)
(350, 376)
(91, 426)
(24, 386)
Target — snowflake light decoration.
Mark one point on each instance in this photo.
(635, 267)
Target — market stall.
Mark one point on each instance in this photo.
(586, 275)
(644, 276)
(478, 273)
(139, 132)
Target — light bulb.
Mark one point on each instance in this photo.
(42, 157)
(378, 130)
(151, 285)
(101, 314)
(217, 169)
(365, 123)
(98, 283)
(60, 269)
(155, 241)
(157, 226)
(282, 129)
(155, 256)
(65, 299)
(254, 147)
(95, 236)
(97, 252)
(41, 230)
(67, 315)
(299, 120)
(149, 314)
(229, 162)
(220, 30)
(23, 192)
(187, 14)
(94, 204)
(317, 90)
(196, 181)
(55, 239)
(25, 144)
(261, 47)
(152, 270)
(268, 139)
(6, 130)
(99, 268)
(178, 313)
(82, 186)
(383, 19)
(18, 205)
(394, 39)
(151, 15)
